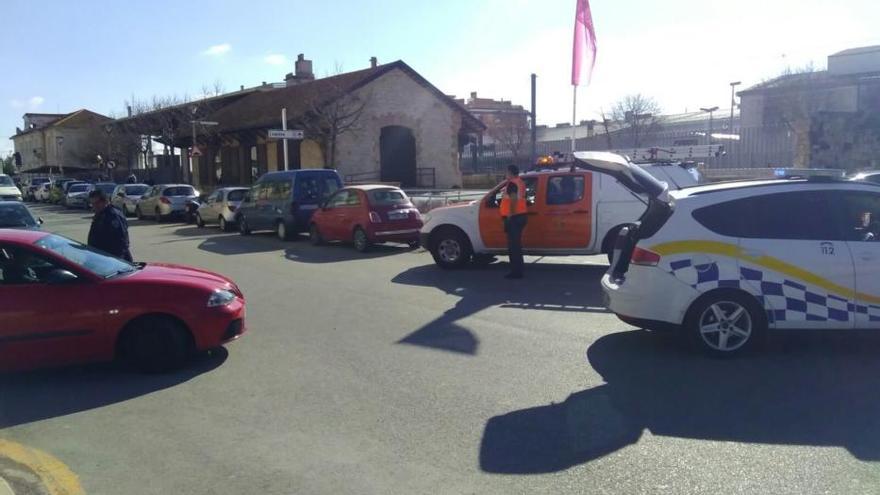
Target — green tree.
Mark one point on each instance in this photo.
(8, 165)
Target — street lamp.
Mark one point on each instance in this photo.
(709, 111)
(733, 85)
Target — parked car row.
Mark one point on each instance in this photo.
(8, 190)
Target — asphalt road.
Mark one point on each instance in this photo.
(382, 374)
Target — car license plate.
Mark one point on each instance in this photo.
(398, 215)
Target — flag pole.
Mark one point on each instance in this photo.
(574, 99)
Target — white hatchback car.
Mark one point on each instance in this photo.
(220, 207)
(725, 262)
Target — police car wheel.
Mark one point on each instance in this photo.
(199, 222)
(725, 323)
(223, 225)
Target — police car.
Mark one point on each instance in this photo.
(724, 263)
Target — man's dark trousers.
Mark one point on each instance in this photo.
(515, 226)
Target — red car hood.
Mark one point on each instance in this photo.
(164, 272)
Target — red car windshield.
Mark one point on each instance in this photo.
(97, 262)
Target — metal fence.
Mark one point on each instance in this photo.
(756, 147)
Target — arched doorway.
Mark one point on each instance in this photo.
(397, 155)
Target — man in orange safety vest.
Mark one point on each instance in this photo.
(513, 212)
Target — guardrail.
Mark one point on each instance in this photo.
(426, 200)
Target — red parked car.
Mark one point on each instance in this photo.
(367, 215)
(62, 302)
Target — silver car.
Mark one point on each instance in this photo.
(220, 207)
(164, 201)
(78, 195)
(126, 196)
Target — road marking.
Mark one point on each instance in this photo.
(5, 489)
(55, 476)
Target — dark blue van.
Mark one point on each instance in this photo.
(284, 201)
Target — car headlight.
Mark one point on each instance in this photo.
(220, 297)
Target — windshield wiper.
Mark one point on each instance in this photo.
(120, 272)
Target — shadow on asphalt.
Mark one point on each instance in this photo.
(336, 252)
(31, 396)
(552, 287)
(806, 388)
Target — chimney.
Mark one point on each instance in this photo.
(373, 62)
(242, 87)
(473, 95)
(303, 68)
(129, 110)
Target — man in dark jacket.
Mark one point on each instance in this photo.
(109, 231)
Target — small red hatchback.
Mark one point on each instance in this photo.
(367, 215)
(62, 302)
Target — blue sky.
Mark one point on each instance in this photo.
(61, 55)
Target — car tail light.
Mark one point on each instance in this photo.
(415, 214)
(165, 200)
(375, 218)
(644, 257)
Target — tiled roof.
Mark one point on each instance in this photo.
(262, 109)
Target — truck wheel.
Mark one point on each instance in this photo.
(451, 248)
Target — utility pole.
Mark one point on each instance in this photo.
(284, 127)
(534, 129)
(733, 85)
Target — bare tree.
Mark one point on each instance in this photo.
(605, 125)
(639, 113)
(169, 119)
(335, 113)
(512, 131)
(792, 100)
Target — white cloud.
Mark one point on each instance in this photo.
(31, 103)
(275, 59)
(218, 50)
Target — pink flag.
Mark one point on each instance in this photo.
(584, 43)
